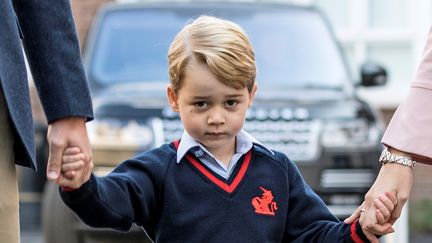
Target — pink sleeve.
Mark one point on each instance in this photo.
(410, 129)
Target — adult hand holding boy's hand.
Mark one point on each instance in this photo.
(379, 213)
(392, 178)
(63, 133)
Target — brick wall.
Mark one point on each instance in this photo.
(422, 187)
(83, 12)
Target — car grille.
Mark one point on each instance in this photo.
(347, 178)
(285, 130)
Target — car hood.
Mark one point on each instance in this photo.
(149, 94)
(318, 103)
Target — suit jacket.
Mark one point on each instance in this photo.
(46, 30)
(410, 129)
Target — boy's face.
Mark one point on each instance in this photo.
(211, 112)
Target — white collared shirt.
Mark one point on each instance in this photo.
(244, 142)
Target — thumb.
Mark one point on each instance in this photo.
(389, 229)
(54, 162)
(353, 216)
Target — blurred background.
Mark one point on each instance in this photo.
(389, 32)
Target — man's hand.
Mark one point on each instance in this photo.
(63, 133)
(394, 178)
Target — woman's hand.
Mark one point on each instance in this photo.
(394, 178)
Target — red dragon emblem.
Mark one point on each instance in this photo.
(264, 204)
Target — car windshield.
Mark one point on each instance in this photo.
(293, 47)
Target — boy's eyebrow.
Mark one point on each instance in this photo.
(226, 96)
(233, 95)
(200, 97)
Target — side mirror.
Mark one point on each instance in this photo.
(373, 75)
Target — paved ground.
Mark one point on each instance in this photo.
(31, 236)
(35, 236)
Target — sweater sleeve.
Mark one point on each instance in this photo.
(127, 195)
(309, 219)
(410, 129)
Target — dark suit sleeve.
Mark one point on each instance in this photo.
(53, 52)
(309, 219)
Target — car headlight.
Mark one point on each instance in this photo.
(120, 135)
(350, 134)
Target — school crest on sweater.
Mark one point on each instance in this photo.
(264, 204)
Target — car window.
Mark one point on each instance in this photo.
(293, 47)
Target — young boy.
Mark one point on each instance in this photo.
(217, 183)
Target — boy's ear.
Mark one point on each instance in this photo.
(252, 94)
(172, 98)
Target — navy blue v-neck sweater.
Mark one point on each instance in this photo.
(264, 200)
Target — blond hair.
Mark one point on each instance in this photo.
(220, 45)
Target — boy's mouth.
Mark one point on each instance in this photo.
(215, 134)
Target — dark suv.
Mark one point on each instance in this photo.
(306, 104)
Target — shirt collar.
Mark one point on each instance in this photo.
(244, 142)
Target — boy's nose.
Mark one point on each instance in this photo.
(216, 117)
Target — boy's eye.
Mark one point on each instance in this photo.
(231, 103)
(200, 104)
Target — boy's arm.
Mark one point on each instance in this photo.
(309, 219)
(125, 196)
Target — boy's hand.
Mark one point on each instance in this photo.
(72, 161)
(381, 209)
(74, 171)
(385, 204)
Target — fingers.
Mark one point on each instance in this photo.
(379, 229)
(72, 183)
(383, 230)
(387, 196)
(393, 198)
(54, 160)
(377, 221)
(64, 132)
(386, 204)
(72, 151)
(354, 216)
(376, 228)
(381, 219)
(68, 167)
(385, 210)
(75, 174)
(73, 158)
(373, 218)
(69, 174)
(389, 229)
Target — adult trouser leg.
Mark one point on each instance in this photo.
(9, 207)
